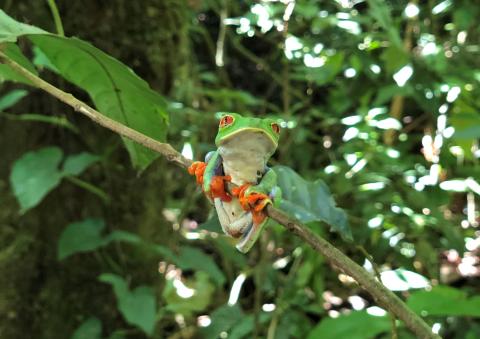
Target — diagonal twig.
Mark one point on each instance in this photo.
(383, 296)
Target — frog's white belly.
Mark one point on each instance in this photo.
(234, 220)
(244, 159)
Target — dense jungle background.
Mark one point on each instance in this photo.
(379, 99)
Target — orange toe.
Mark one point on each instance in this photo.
(197, 169)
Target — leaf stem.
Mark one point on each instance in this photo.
(89, 187)
(383, 296)
(56, 17)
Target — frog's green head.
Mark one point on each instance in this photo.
(233, 124)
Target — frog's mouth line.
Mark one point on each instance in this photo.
(274, 143)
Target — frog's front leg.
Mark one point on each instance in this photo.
(254, 199)
(210, 177)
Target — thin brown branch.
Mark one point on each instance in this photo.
(335, 257)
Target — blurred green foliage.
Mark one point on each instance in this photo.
(379, 100)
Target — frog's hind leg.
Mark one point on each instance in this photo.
(250, 236)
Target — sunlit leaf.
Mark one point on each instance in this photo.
(403, 280)
(189, 295)
(138, 306)
(356, 325)
(195, 259)
(444, 301)
(310, 201)
(89, 329)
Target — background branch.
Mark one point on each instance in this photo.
(383, 296)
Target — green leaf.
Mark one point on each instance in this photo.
(310, 201)
(196, 299)
(394, 58)
(403, 280)
(245, 326)
(81, 236)
(114, 88)
(468, 133)
(89, 329)
(327, 72)
(11, 98)
(37, 173)
(195, 259)
(444, 301)
(223, 318)
(7, 73)
(356, 325)
(34, 175)
(41, 61)
(77, 163)
(381, 12)
(138, 306)
(10, 29)
(86, 235)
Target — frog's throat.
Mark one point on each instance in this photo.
(225, 138)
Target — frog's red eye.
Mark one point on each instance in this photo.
(276, 128)
(226, 120)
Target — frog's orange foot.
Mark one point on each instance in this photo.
(258, 201)
(198, 169)
(217, 187)
(239, 192)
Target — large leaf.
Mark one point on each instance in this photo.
(356, 325)
(114, 88)
(34, 175)
(89, 329)
(444, 301)
(138, 306)
(310, 201)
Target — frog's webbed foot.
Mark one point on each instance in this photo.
(252, 201)
(217, 183)
(198, 169)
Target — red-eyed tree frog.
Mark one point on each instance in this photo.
(244, 145)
